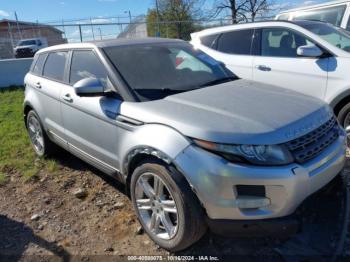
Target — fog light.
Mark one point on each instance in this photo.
(251, 202)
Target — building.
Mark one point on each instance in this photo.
(136, 29)
(12, 31)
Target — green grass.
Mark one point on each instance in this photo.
(51, 166)
(16, 153)
(3, 179)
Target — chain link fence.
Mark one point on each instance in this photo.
(11, 32)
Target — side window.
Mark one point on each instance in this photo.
(85, 64)
(236, 42)
(281, 42)
(55, 65)
(38, 67)
(209, 40)
(332, 15)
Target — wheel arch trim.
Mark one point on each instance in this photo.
(142, 150)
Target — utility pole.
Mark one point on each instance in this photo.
(19, 30)
(158, 27)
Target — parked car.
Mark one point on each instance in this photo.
(28, 47)
(306, 56)
(194, 145)
(334, 12)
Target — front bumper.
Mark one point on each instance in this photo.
(23, 53)
(215, 181)
(277, 227)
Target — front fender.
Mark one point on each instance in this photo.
(158, 140)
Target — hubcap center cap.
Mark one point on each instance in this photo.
(157, 205)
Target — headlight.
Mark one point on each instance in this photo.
(254, 154)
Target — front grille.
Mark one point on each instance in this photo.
(310, 145)
(24, 52)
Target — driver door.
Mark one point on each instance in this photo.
(89, 122)
(278, 63)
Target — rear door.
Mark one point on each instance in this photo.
(47, 80)
(90, 122)
(279, 64)
(233, 48)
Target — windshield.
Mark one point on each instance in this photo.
(155, 71)
(27, 42)
(333, 35)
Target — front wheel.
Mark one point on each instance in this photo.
(344, 120)
(166, 206)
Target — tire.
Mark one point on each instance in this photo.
(344, 121)
(41, 143)
(344, 116)
(189, 219)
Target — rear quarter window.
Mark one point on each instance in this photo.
(37, 69)
(209, 40)
(236, 42)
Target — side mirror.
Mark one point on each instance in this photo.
(309, 51)
(89, 87)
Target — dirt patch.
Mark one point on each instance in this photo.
(44, 216)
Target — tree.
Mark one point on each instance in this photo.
(256, 7)
(242, 10)
(237, 8)
(173, 18)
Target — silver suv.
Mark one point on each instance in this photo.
(194, 145)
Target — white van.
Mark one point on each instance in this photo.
(335, 12)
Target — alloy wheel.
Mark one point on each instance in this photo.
(156, 206)
(36, 134)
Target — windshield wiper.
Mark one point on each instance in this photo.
(219, 81)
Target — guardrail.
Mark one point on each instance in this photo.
(12, 71)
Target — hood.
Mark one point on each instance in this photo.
(238, 112)
(25, 46)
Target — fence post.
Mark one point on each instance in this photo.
(64, 29)
(81, 36)
(92, 29)
(99, 29)
(11, 37)
(39, 30)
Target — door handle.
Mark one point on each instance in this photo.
(37, 85)
(67, 98)
(263, 68)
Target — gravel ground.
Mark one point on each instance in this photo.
(82, 215)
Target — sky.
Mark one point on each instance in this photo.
(57, 10)
(71, 13)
